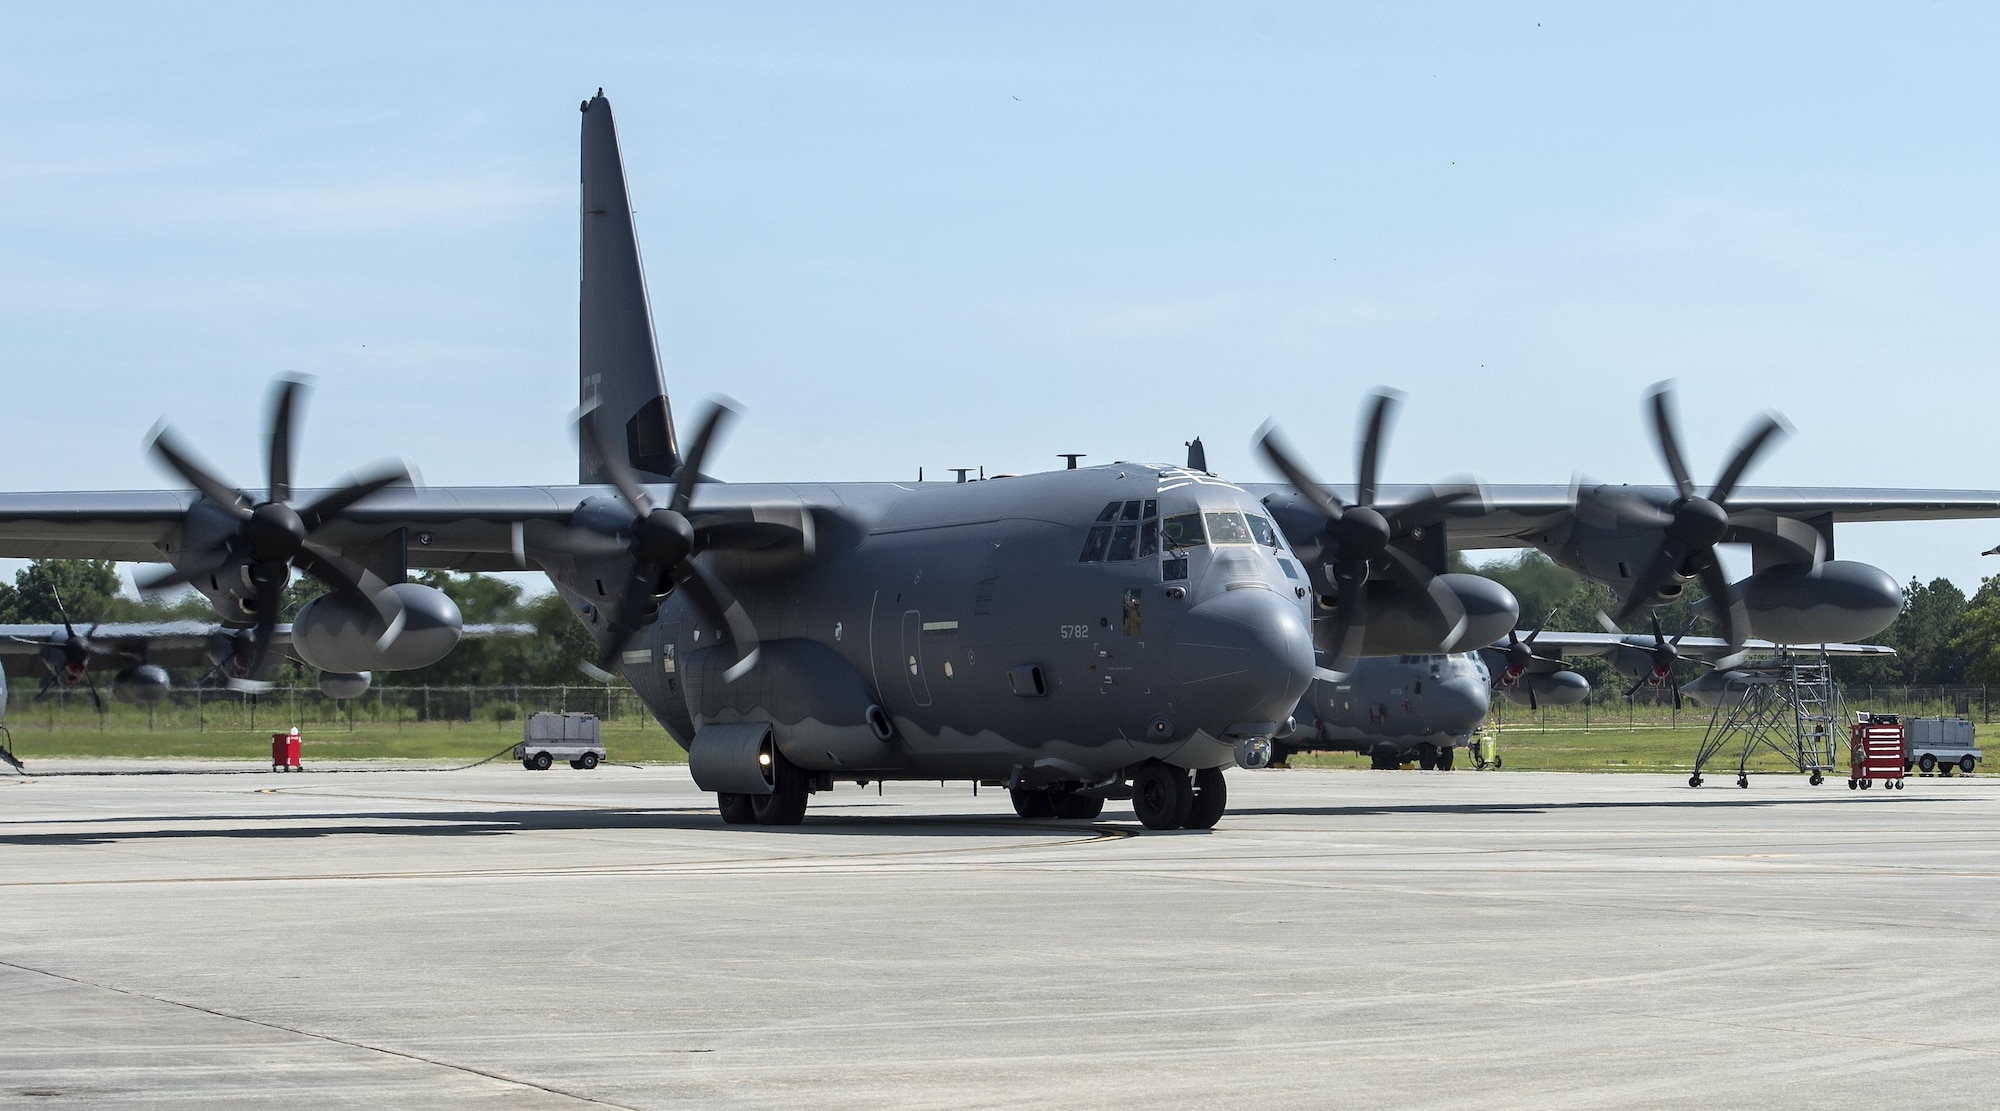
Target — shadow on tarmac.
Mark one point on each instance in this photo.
(493, 823)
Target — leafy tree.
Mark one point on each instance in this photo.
(1978, 640)
(45, 588)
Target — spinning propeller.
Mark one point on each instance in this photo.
(662, 544)
(272, 536)
(1356, 541)
(1520, 655)
(1694, 524)
(68, 661)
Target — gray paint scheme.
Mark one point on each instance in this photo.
(842, 580)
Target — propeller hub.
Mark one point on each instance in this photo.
(1360, 534)
(274, 532)
(1698, 522)
(663, 537)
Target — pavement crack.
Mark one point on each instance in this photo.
(319, 1036)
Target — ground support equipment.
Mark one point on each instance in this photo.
(1787, 704)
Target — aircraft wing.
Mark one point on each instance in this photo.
(1693, 647)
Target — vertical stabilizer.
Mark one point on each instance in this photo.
(618, 363)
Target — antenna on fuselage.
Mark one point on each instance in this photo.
(961, 472)
(1072, 456)
(1197, 459)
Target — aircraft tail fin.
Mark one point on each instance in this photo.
(618, 358)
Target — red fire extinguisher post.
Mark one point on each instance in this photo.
(285, 750)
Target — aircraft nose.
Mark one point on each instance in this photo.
(1462, 704)
(1242, 656)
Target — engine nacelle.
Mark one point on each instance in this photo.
(143, 685)
(1554, 688)
(335, 633)
(344, 684)
(1839, 600)
(1399, 625)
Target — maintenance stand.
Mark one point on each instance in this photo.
(1788, 704)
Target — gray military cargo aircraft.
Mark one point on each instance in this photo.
(1114, 631)
(1075, 635)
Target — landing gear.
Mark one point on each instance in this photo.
(1385, 758)
(1427, 757)
(1033, 804)
(1211, 796)
(1073, 807)
(1444, 759)
(1162, 795)
(736, 809)
(786, 804)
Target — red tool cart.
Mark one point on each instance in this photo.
(285, 751)
(1875, 751)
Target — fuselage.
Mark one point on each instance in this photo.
(1055, 627)
(1396, 701)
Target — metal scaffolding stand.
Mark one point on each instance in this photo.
(1788, 704)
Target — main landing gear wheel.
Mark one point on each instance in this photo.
(1074, 807)
(1211, 796)
(786, 804)
(1426, 758)
(1444, 759)
(1033, 804)
(736, 809)
(1162, 795)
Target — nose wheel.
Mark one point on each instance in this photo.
(1167, 797)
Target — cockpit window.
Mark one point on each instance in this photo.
(1110, 512)
(1183, 531)
(1131, 510)
(1262, 528)
(1149, 538)
(1095, 543)
(1126, 529)
(1122, 542)
(1226, 527)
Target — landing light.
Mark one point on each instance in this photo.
(764, 759)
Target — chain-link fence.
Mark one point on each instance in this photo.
(1654, 707)
(199, 709)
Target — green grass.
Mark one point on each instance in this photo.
(624, 742)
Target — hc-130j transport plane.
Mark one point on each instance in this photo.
(1105, 632)
(1113, 631)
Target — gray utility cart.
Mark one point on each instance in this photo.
(1937, 745)
(552, 737)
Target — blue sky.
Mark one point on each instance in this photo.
(942, 235)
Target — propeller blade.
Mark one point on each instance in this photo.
(284, 401)
(166, 444)
(1347, 632)
(1533, 706)
(1747, 450)
(47, 685)
(1677, 693)
(1425, 511)
(270, 599)
(366, 485)
(1416, 577)
(615, 467)
(1279, 453)
(96, 699)
(1371, 445)
(1655, 575)
(1732, 619)
(60, 608)
(1633, 692)
(1604, 622)
(627, 616)
(1666, 438)
(719, 605)
(690, 473)
(357, 582)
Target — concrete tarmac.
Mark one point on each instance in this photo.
(500, 938)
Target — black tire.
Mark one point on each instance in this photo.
(588, 762)
(1743, 781)
(1211, 798)
(1927, 763)
(1909, 766)
(1816, 779)
(786, 804)
(1426, 758)
(577, 764)
(1944, 769)
(1867, 783)
(1966, 763)
(1694, 781)
(1445, 759)
(1162, 795)
(737, 810)
(541, 761)
(1033, 804)
(1496, 766)
(1076, 808)
(1851, 784)
(527, 762)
